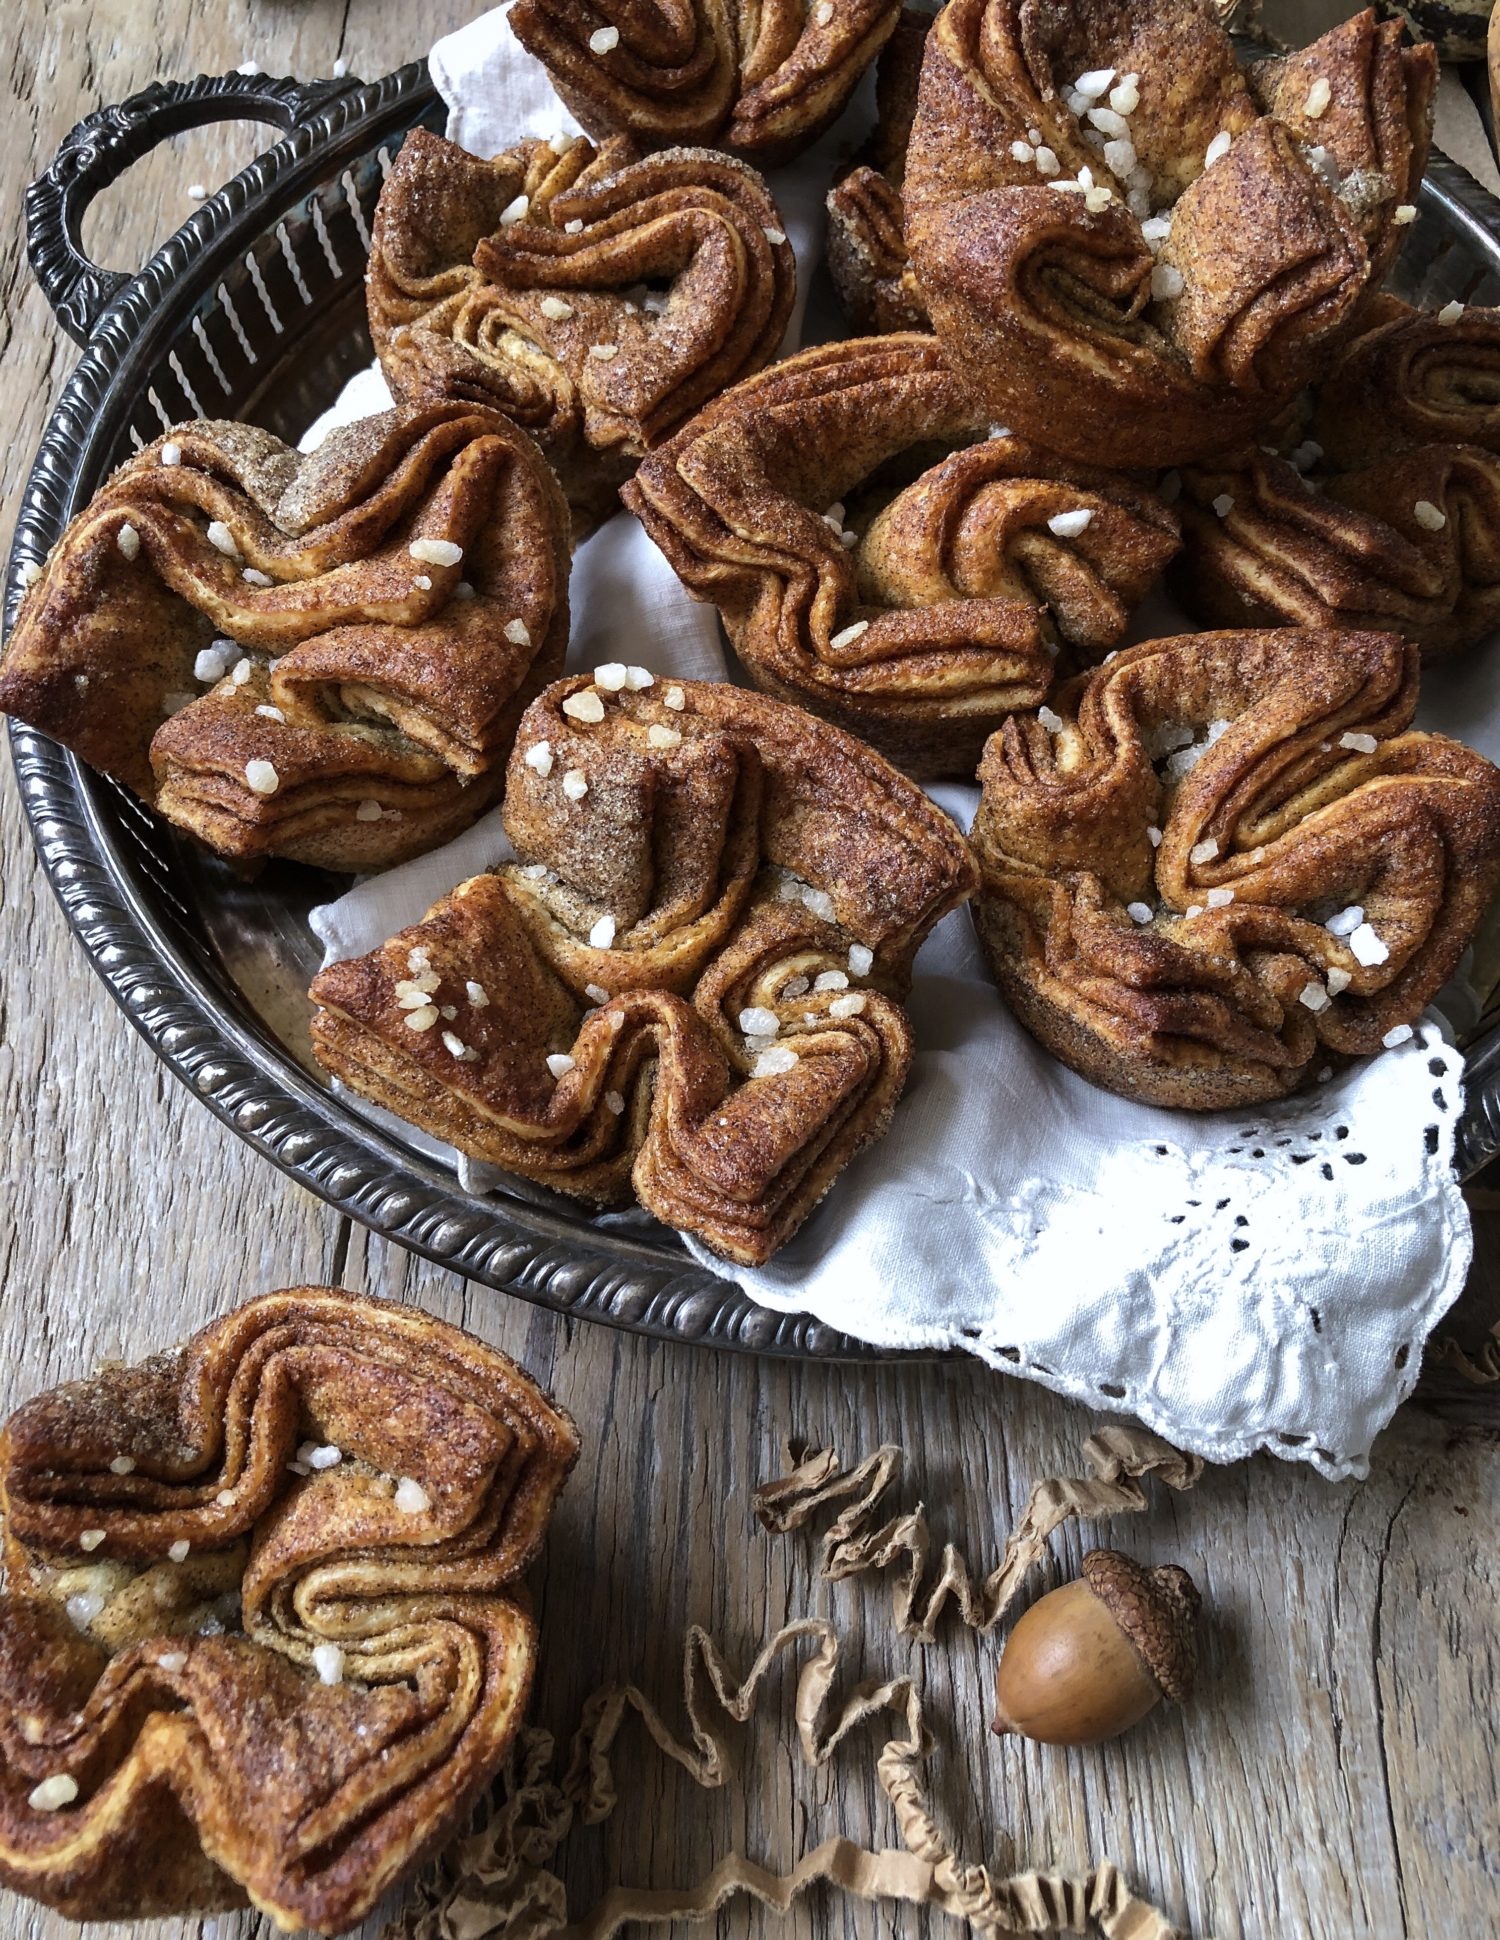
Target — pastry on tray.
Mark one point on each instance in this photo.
(688, 985)
(1411, 377)
(596, 298)
(264, 1637)
(1409, 542)
(763, 80)
(321, 657)
(880, 559)
(1227, 862)
(867, 256)
(1132, 250)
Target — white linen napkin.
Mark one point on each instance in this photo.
(1264, 1281)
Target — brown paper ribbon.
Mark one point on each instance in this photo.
(1480, 1369)
(497, 1880)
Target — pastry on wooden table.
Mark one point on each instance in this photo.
(1134, 252)
(1227, 863)
(880, 559)
(264, 1638)
(1409, 542)
(762, 80)
(1413, 377)
(321, 657)
(867, 256)
(595, 297)
(688, 985)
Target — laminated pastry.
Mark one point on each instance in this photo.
(1227, 862)
(882, 556)
(1409, 542)
(761, 80)
(688, 985)
(596, 298)
(263, 1638)
(1131, 250)
(867, 256)
(369, 622)
(1411, 377)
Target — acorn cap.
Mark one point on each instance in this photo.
(1156, 1609)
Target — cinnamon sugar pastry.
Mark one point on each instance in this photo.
(867, 255)
(264, 1637)
(1228, 861)
(595, 298)
(879, 559)
(689, 983)
(1134, 252)
(1409, 542)
(369, 622)
(763, 80)
(1412, 377)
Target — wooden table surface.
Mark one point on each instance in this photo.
(1337, 1775)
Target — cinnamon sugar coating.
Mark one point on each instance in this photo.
(1280, 188)
(255, 1682)
(1411, 377)
(595, 297)
(933, 598)
(867, 255)
(761, 80)
(688, 986)
(374, 616)
(1319, 865)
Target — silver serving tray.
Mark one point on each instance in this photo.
(255, 309)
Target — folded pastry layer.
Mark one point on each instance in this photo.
(596, 298)
(1227, 861)
(1409, 542)
(763, 80)
(369, 621)
(263, 1636)
(867, 255)
(879, 558)
(1413, 377)
(688, 985)
(1133, 252)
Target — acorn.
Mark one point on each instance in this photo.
(1089, 1660)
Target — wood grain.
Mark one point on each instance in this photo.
(1337, 1775)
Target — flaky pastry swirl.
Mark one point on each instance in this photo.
(371, 618)
(689, 983)
(596, 298)
(911, 597)
(1151, 274)
(1412, 377)
(1231, 862)
(761, 79)
(867, 255)
(1410, 542)
(232, 1668)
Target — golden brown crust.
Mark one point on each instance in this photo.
(374, 692)
(506, 281)
(170, 1577)
(1414, 377)
(727, 857)
(867, 255)
(762, 80)
(943, 611)
(1409, 543)
(1286, 775)
(1053, 303)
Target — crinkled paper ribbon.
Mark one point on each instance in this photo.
(498, 1881)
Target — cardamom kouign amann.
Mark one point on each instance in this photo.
(881, 559)
(1411, 377)
(264, 1638)
(764, 80)
(688, 986)
(597, 298)
(867, 256)
(1227, 861)
(322, 657)
(1132, 251)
